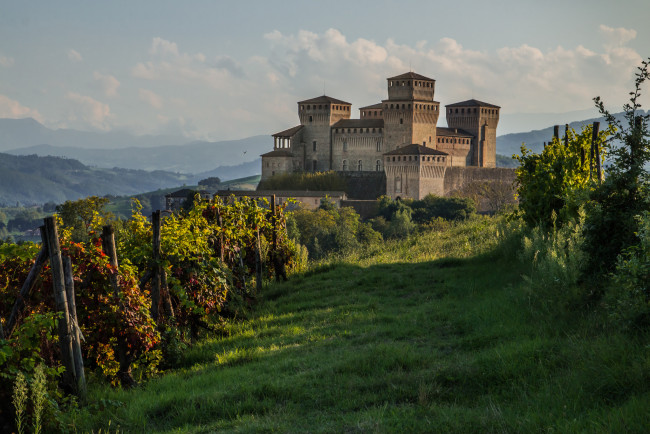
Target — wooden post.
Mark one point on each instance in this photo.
(595, 151)
(76, 332)
(220, 221)
(108, 246)
(273, 221)
(258, 263)
(28, 285)
(166, 298)
(556, 132)
(155, 283)
(58, 282)
(566, 135)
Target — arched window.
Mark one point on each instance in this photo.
(345, 165)
(378, 166)
(398, 184)
(360, 166)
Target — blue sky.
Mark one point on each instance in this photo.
(220, 70)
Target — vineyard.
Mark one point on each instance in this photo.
(121, 302)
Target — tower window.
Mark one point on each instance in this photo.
(378, 166)
(398, 184)
(314, 145)
(311, 118)
(378, 146)
(360, 165)
(401, 121)
(345, 165)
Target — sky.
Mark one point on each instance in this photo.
(217, 70)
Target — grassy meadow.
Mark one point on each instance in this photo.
(437, 333)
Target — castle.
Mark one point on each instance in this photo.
(397, 137)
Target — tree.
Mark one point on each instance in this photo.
(548, 183)
(213, 182)
(611, 223)
(80, 216)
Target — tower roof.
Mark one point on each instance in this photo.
(290, 132)
(452, 132)
(324, 99)
(415, 149)
(373, 106)
(359, 123)
(410, 75)
(472, 103)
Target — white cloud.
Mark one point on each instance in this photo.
(12, 109)
(74, 56)
(162, 46)
(519, 78)
(106, 83)
(151, 98)
(6, 62)
(87, 110)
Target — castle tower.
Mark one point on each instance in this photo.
(480, 119)
(410, 113)
(317, 115)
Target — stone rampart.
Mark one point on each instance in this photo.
(458, 177)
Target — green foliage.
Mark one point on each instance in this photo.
(549, 183)
(20, 401)
(629, 294)
(83, 216)
(611, 222)
(448, 208)
(329, 230)
(315, 181)
(212, 181)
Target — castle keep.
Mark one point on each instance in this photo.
(398, 137)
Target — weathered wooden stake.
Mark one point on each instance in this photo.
(28, 285)
(595, 148)
(76, 332)
(124, 356)
(566, 135)
(155, 282)
(258, 263)
(60, 299)
(108, 246)
(556, 132)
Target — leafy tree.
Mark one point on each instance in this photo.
(611, 223)
(548, 183)
(213, 181)
(83, 215)
(448, 208)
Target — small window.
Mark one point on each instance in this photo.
(378, 146)
(401, 121)
(345, 165)
(378, 166)
(360, 165)
(314, 145)
(311, 118)
(398, 184)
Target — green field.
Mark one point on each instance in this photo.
(433, 334)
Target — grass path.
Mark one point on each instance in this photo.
(381, 344)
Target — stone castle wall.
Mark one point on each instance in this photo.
(457, 177)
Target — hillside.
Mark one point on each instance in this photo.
(433, 334)
(36, 180)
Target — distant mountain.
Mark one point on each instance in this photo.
(22, 133)
(35, 180)
(195, 157)
(509, 144)
(121, 149)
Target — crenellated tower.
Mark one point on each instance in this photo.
(480, 119)
(410, 113)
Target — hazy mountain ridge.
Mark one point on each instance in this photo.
(509, 144)
(33, 180)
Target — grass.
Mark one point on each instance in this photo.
(434, 334)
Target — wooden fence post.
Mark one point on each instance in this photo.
(556, 132)
(58, 282)
(155, 282)
(566, 135)
(28, 285)
(76, 332)
(595, 150)
(108, 246)
(124, 357)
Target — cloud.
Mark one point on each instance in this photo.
(74, 56)
(518, 78)
(168, 63)
(6, 62)
(88, 110)
(106, 83)
(12, 109)
(151, 98)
